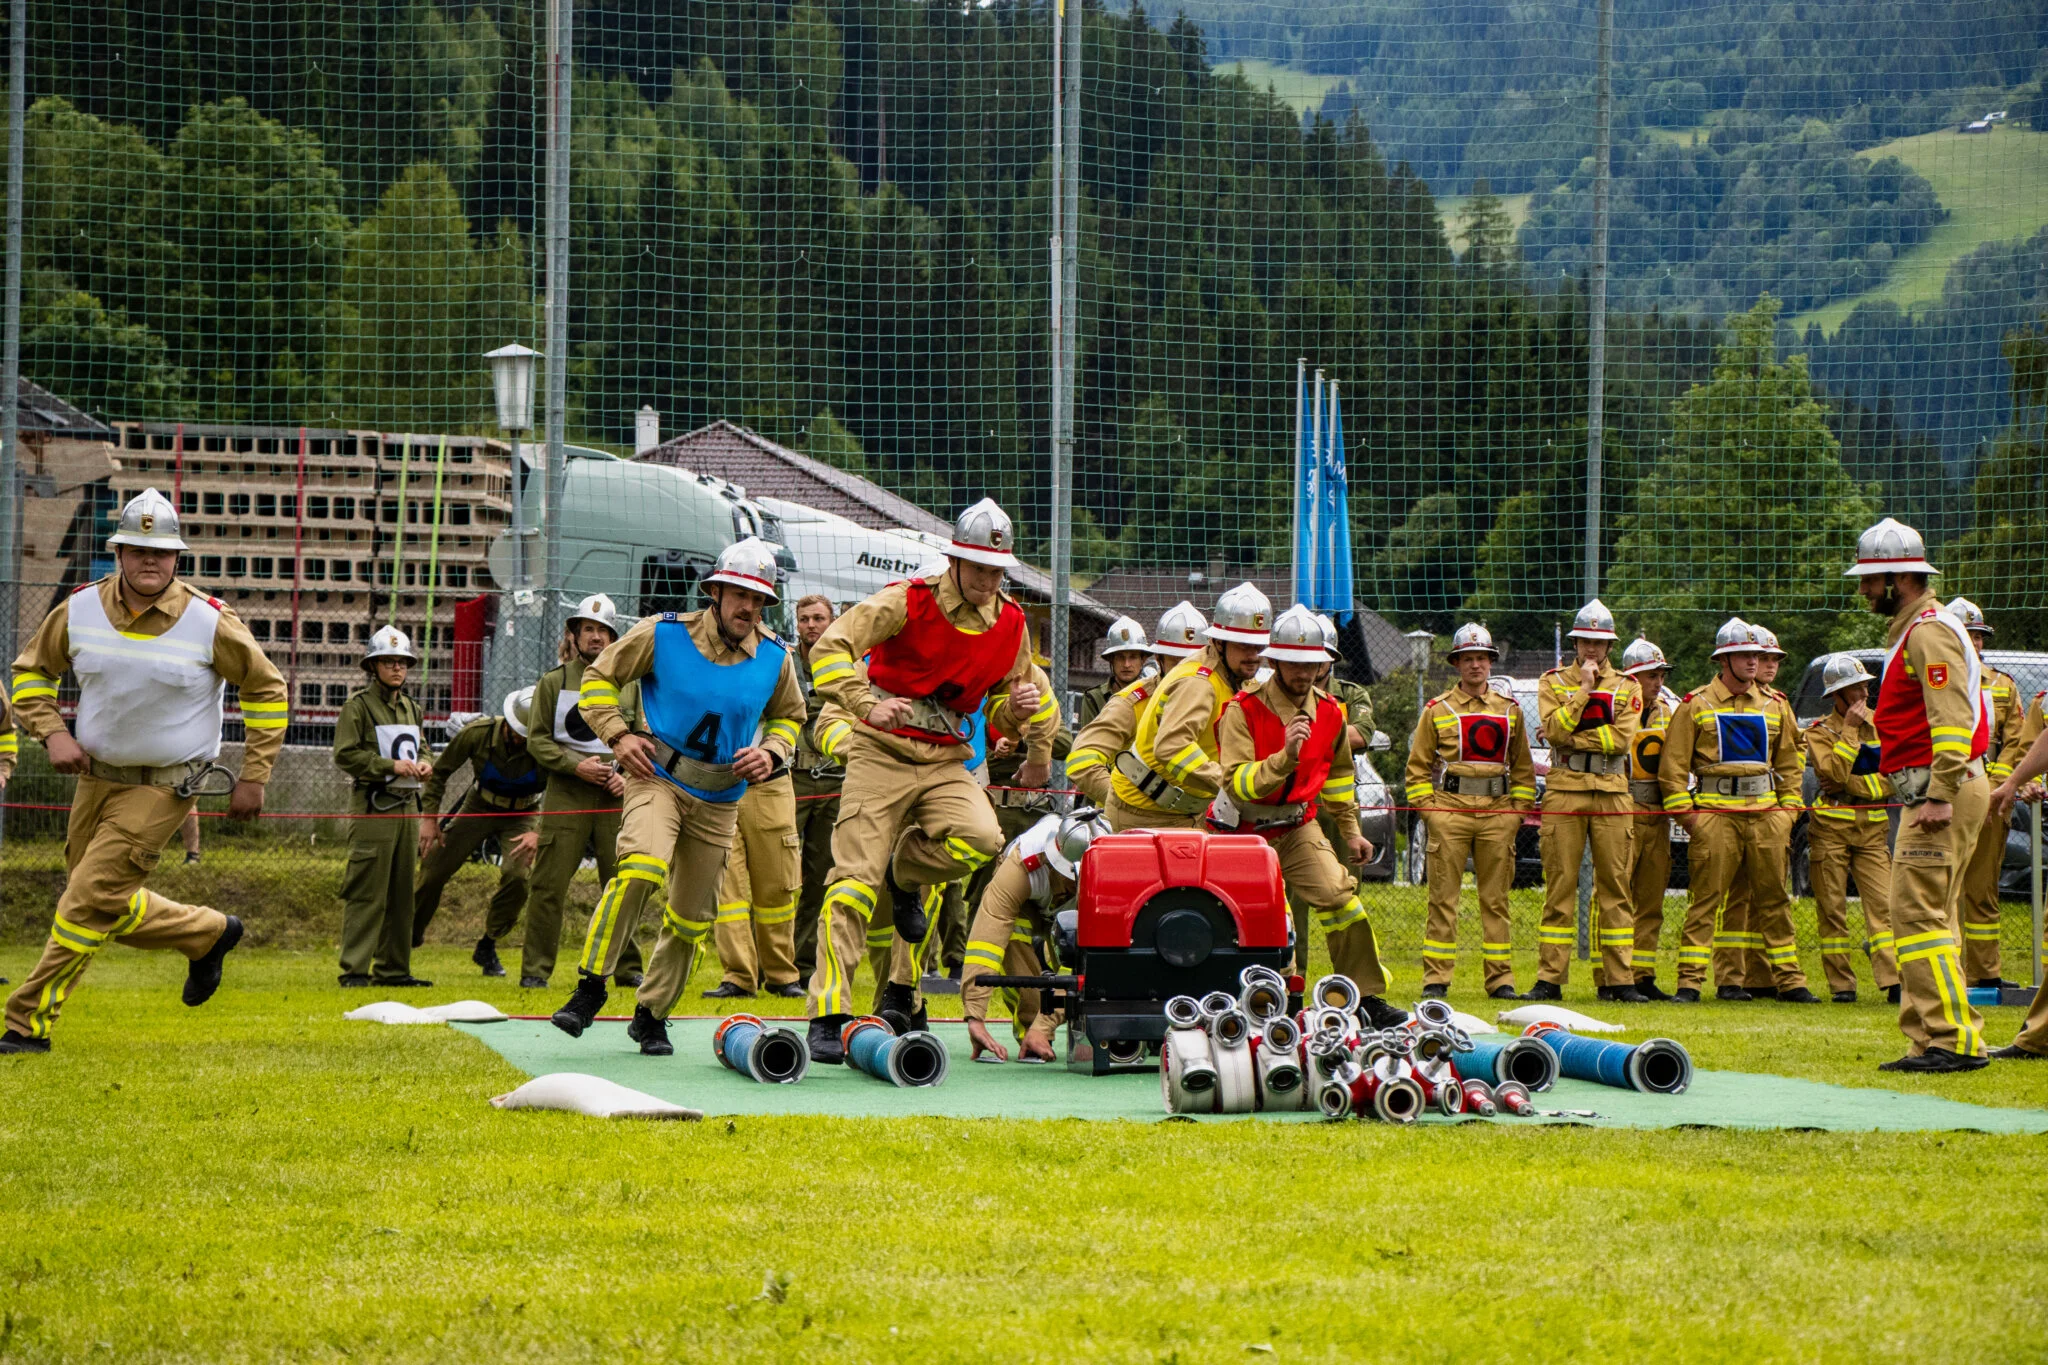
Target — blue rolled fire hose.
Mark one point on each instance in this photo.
(914, 1059)
(1658, 1066)
(1530, 1060)
(772, 1056)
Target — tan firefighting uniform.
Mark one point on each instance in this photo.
(1017, 810)
(1737, 833)
(577, 818)
(667, 836)
(2034, 1034)
(908, 806)
(1927, 865)
(1743, 956)
(1649, 874)
(755, 932)
(10, 744)
(122, 817)
(1847, 835)
(1338, 826)
(383, 838)
(1308, 865)
(1017, 898)
(496, 756)
(1467, 778)
(1089, 704)
(819, 773)
(1174, 749)
(1978, 905)
(1581, 807)
(1106, 736)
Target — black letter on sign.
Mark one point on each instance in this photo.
(702, 744)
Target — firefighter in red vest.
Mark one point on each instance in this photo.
(1285, 748)
(1932, 734)
(937, 650)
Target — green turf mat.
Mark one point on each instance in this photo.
(1717, 1099)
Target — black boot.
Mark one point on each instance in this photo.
(1844, 997)
(1685, 995)
(2012, 1052)
(1437, 990)
(1503, 993)
(1939, 1061)
(1733, 993)
(1798, 995)
(628, 979)
(1379, 1014)
(1622, 995)
(823, 1037)
(581, 1011)
(1762, 992)
(1543, 990)
(901, 1009)
(486, 957)
(912, 923)
(11, 1041)
(651, 1033)
(202, 974)
(789, 990)
(726, 990)
(1891, 994)
(1647, 987)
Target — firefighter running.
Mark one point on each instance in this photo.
(1470, 774)
(1847, 834)
(152, 658)
(1590, 714)
(506, 789)
(911, 817)
(709, 681)
(1932, 734)
(1284, 750)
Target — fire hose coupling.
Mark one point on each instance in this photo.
(772, 1056)
(1479, 1097)
(1396, 1099)
(914, 1059)
(1529, 1060)
(1434, 1014)
(1282, 1086)
(1656, 1067)
(1337, 992)
(1513, 1096)
(1185, 1012)
(1262, 994)
(1187, 1072)
(1216, 1004)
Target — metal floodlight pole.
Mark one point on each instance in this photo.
(561, 49)
(1066, 252)
(1300, 420)
(1596, 293)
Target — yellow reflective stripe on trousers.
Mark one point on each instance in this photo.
(1497, 952)
(856, 896)
(732, 912)
(1341, 917)
(1947, 970)
(1695, 957)
(597, 940)
(1980, 930)
(1836, 946)
(775, 914)
(77, 937)
(138, 906)
(53, 994)
(966, 854)
(1920, 947)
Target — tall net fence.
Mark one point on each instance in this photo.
(810, 293)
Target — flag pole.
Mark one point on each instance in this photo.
(1315, 463)
(1300, 464)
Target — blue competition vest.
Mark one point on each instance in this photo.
(978, 742)
(512, 788)
(702, 710)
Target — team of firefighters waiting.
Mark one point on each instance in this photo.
(804, 807)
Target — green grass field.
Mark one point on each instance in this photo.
(1302, 89)
(262, 1180)
(1995, 187)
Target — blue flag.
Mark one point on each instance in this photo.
(1333, 586)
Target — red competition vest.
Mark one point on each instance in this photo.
(1904, 737)
(932, 657)
(1269, 737)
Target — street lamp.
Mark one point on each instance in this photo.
(512, 383)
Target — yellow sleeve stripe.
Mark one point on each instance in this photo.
(831, 667)
(265, 722)
(264, 708)
(783, 730)
(10, 744)
(1522, 793)
(597, 694)
(1047, 710)
(1420, 791)
(1081, 760)
(1678, 801)
(1241, 781)
(1952, 731)
(33, 685)
(1844, 749)
(1343, 790)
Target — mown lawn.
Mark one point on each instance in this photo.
(262, 1180)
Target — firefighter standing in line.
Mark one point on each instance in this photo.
(1170, 773)
(711, 681)
(1847, 833)
(1284, 750)
(1470, 753)
(1128, 655)
(2023, 783)
(1113, 728)
(1337, 827)
(1743, 966)
(755, 932)
(580, 814)
(1589, 714)
(1733, 737)
(911, 817)
(818, 776)
(1650, 859)
(380, 744)
(507, 783)
(152, 658)
(1035, 875)
(1932, 735)
(1978, 907)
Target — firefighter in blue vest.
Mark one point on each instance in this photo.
(719, 697)
(505, 791)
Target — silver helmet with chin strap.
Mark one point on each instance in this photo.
(1243, 616)
(1071, 839)
(983, 534)
(1180, 631)
(1971, 615)
(1594, 622)
(1473, 638)
(1124, 636)
(1641, 656)
(1890, 547)
(148, 522)
(1737, 636)
(1296, 638)
(1843, 671)
(389, 642)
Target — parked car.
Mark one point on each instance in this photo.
(2028, 668)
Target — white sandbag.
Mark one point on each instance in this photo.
(455, 1012)
(1471, 1023)
(1557, 1014)
(591, 1095)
